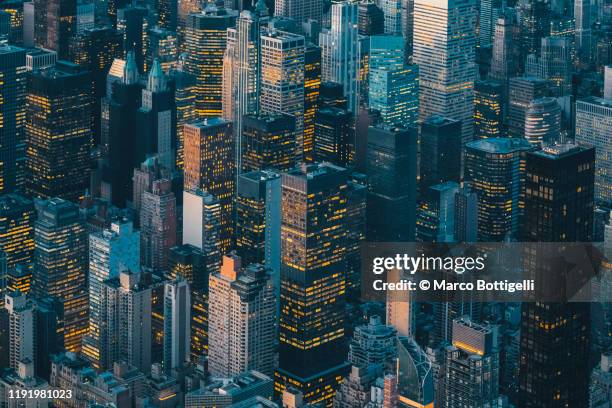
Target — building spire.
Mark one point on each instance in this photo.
(130, 70)
(157, 80)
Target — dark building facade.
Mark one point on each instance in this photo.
(440, 151)
(334, 136)
(268, 142)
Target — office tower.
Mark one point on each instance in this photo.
(17, 218)
(95, 49)
(607, 94)
(184, 9)
(235, 392)
(258, 219)
(60, 265)
(494, 169)
(85, 10)
(488, 102)
(132, 23)
(158, 223)
(163, 45)
(391, 170)
(394, 91)
(593, 124)
(177, 324)
(156, 122)
(600, 388)
(534, 25)
(558, 332)
(205, 42)
(311, 339)
(201, 225)
(582, 14)
(446, 88)
(126, 324)
(392, 11)
(332, 95)
(111, 251)
(144, 176)
(13, 108)
(505, 51)
(373, 343)
(167, 14)
(58, 132)
(440, 151)
(543, 121)
(299, 10)
(371, 19)
(386, 51)
(466, 214)
(40, 58)
(522, 91)
(334, 139)
(356, 216)
(47, 312)
(471, 366)
(209, 166)
(489, 10)
(27, 24)
(194, 266)
(21, 328)
(415, 384)
(19, 21)
(340, 56)
(241, 319)
(435, 220)
(17, 278)
(54, 24)
(312, 85)
(282, 79)
(185, 99)
(268, 142)
(556, 63)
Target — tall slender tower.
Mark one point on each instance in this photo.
(312, 337)
(17, 218)
(177, 324)
(582, 14)
(444, 50)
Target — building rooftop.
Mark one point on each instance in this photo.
(500, 145)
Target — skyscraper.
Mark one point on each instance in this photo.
(556, 332)
(312, 85)
(556, 63)
(21, 329)
(17, 218)
(201, 225)
(334, 138)
(488, 103)
(522, 91)
(133, 25)
(241, 319)
(56, 23)
(299, 10)
(205, 42)
(440, 151)
(59, 132)
(209, 167)
(185, 98)
(392, 11)
(445, 32)
(13, 109)
(282, 79)
(466, 214)
(534, 25)
(340, 56)
(391, 169)
(177, 324)
(494, 169)
(582, 14)
(163, 45)
(311, 339)
(268, 142)
(111, 252)
(373, 343)
(158, 223)
(371, 19)
(505, 51)
(543, 121)
(60, 265)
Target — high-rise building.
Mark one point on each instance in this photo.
(142, 181)
(13, 109)
(435, 221)
(489, 10)
(158, 223)
(393, 16)
(600, 388)
(593, 124)
(373, 343)
(445, 32)
(185, 98)
(163, 45)
(205, 42)
(60, 265)
(356, 216)
(133, 25)
(177, 324)
(556, 63)
(558, 332)
(258, 219)
(583, 15)
(471, 366)
(311, 339)
(126, 325)
(415, 383)
(54, 24)
(522, 91)
(17, 216)
(543, 121)
(282, 79)
(268, 142)
(440, 151)
(466, 214)
(312, 85)
(201, 225)
(505, 51)
(334, 138)
(299, 10)
(371, 19)
(488, 103)
(209, 166)
(534, 25)
(391, 170)
(167, 14)
(58, 132)
(340, 54)
(494, 168)
(242, 312)
(21, 329)
(111, 251)
(156, 122)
